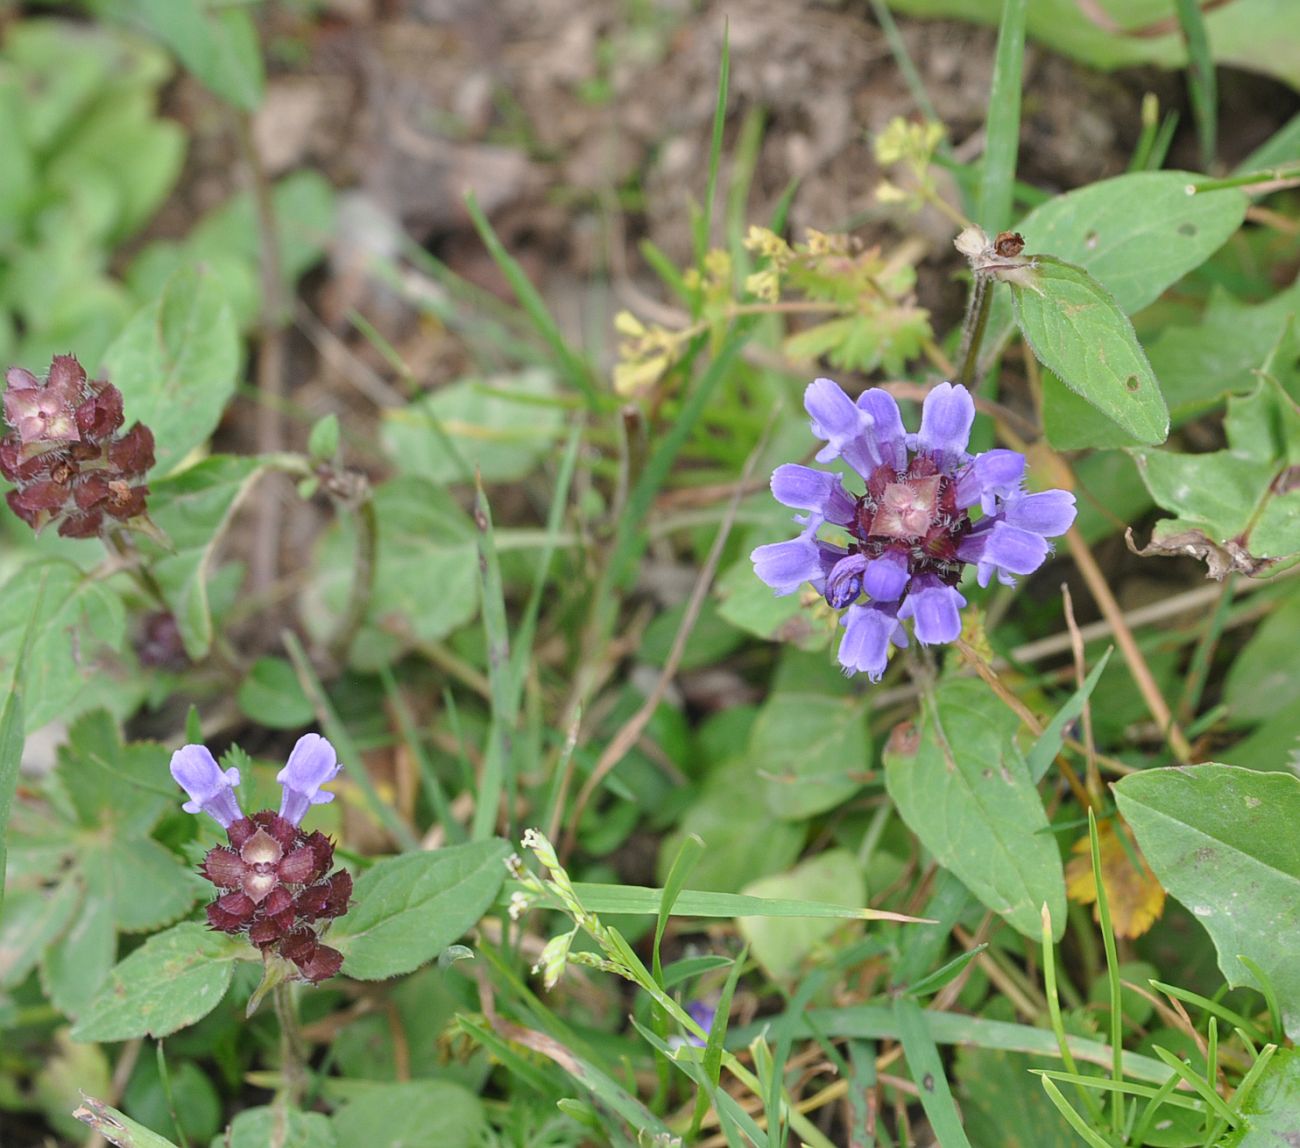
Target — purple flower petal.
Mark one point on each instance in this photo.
(312, 763)
(934, 608)
(211, 790)
(991, 475)
(868, 630)
(996, 545)
(1050, 513)
(785, 566)
(844, 583)
(841, 423)
(818, 490)
(703, 1015)
(887, 577)
(888, 437)
(946, 418)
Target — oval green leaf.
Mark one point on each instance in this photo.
(174, 979)
(1222, 840)
(962, 786)
(420, 1114)
(407, 909)
(1076, 329)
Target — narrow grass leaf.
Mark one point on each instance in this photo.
(1202, 1086)
(684, 863)
(1077, 1122)
(637, 899)
(348, 752)
(1048, 744)
(704, 220)
(574, 367)
(1112, 976)
(928, 1075)
(1002, 127)
(1202, 87)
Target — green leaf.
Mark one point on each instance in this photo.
(1000, 1105)
(74, 967)
(750, 605)
(174, 979)
(630, 899)
(32, 919)
(962, 786)
(499, 426)
(407, 909)
(1264, 678)
(1136, 234)
(304, 220)
(117, 1128)
(273, 1124)
(1049, 743)
(809, 752)
(72, 616)
(176, 364)
(1234, 32)
(121, 788)
(1272, 1107)
(192, 509)
(743, 838)
(1079, 332)
(832, 877)
(1222, 840)
(146, 884)
(1002, 124)
(272, 696)
(927, 1072)
(11, 758)
(1228, 503)
(217, 43)
(425, 540)
(421, 1114)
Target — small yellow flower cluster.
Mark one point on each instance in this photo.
(913, 146)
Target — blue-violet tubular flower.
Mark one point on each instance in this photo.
(910, 533)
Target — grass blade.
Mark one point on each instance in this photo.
(337, 732)
(496, 777)
(1002, 128)
(927, 1071)
(1112, 979)
(687, 858)
(1202, 86)
(704, 219)
(454, 830)
(1075, 1121)
(573, 366)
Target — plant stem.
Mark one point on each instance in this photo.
(293, 1060)
(977, 321)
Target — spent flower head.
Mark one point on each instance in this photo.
(910, 533)
(66, 453)
(274, 879)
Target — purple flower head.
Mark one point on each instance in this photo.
(211, 790)
(273, 880)
(312, 763)
(910, 533)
